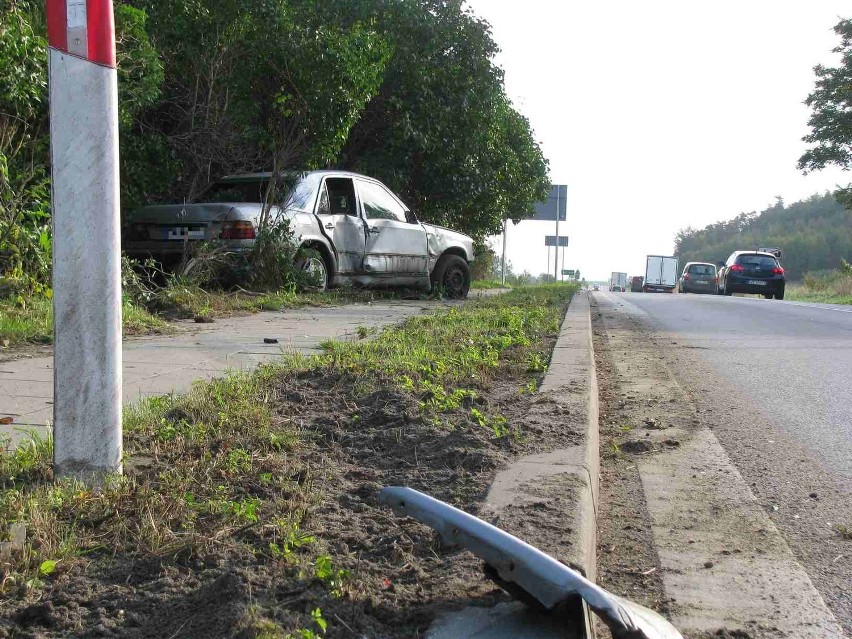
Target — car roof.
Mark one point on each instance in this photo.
(265, 175)
(762, 253)
(701, 263)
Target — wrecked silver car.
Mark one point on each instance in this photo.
(350, 228)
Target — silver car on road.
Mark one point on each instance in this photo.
(351, 229)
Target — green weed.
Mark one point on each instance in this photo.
(333, 578)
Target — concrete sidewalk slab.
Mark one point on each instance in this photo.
(166, 364)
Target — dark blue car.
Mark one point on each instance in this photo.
(752, 272)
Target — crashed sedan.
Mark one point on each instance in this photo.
(350, 229)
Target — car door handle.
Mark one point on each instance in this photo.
(329, 226)
(374, 230)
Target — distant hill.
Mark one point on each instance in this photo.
(814, 234)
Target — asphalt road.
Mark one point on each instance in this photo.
(771, 381)
(793, 361)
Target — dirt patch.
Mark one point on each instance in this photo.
(628, 564)
(25, 350)
(386, 576)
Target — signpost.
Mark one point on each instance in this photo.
(86, 242)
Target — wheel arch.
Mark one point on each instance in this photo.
(326, 253)
(455, 250)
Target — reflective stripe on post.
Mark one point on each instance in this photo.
(84, 28)
(86, 240)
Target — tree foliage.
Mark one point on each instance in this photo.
(831, 118)
(441, 130)
(405, 90)
(814, 234)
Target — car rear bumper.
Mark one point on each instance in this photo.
(742, 285)
(137, 248)
(710, 287)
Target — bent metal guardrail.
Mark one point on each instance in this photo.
(538, 574)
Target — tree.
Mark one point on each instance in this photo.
(831, 117)
(814, 234)
(441, 130)
(254, 84)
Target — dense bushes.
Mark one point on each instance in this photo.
(223, 86)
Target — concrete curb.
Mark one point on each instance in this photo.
(573, 360)
(571, 473)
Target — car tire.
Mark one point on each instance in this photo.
(451, 276)
(311, 261)
(728, 292)
(779, 296)
(767, 296)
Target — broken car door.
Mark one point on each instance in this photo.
(338, 213)
(396, 242)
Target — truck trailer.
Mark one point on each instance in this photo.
(660, 274)
(618, 282)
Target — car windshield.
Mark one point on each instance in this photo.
(762, 262)
(702, 269)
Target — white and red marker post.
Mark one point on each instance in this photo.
(86, 238)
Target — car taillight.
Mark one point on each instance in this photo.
(686, 276)
(736, 268)
(239, 230)
(716, 280)
(778, 271)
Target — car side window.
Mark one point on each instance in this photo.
(324, 206)
(337, 197)
(379, 204)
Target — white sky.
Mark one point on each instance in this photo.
(661, 114)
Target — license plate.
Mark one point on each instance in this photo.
(757, 282)
(184, 233)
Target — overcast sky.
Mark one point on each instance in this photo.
(661, 114)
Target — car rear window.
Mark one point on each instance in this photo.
(762, 262)
(702, 269)
(244, 191)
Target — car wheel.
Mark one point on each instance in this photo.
(727, 290)
(451, 275)
(767, 296)
(779, 296)
(310, 262)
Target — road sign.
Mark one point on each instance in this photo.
(566, 271)
(555, 203)
(550, 240)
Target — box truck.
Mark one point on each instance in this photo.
(660, 273)
(618, 282)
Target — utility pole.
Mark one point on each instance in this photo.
(556, 257)
(86, 241)
(503, 264)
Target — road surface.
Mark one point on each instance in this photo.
(791, 360)
(757, 393)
